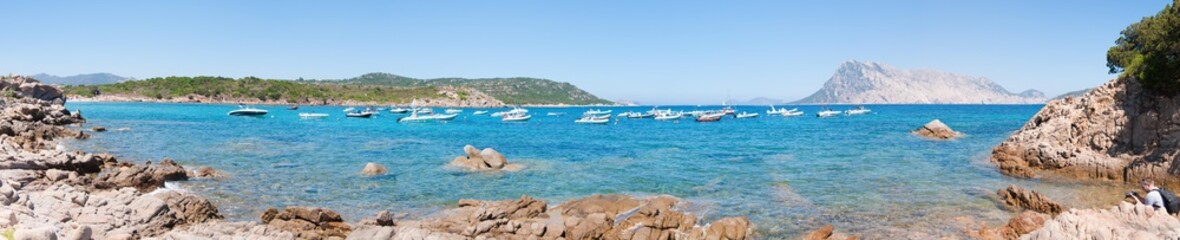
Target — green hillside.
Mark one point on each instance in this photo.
(251, 87)
(517, 90)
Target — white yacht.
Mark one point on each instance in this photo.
(247, 111)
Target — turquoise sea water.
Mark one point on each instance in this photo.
(863, 174)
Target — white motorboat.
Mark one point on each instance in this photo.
(516, 117)
(312, 115)
(792, 113)
(591, 119)
(669, 116)
(780, 111)
(710, 116)
(597, 112)
(355, 114)
(857, 111)
(452, 110)
(641, 115)
(626, 114)
(746, 115)
(827, 113)
(515, 110)
(399, 110)
(479, 112)
(371, 111)
(247, 111)
(417, 115)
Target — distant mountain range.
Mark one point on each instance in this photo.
(857, 82)
(81, 79)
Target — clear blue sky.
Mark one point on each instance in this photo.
(657, 52)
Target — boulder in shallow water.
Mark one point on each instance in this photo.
(936, 130)
(98, 129)
(373, 169)
(145, 177)
(486, 159)
(1032, 200)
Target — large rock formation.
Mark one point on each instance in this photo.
(1125, 221)
(870, 82)
(1117, 131)
(596, 217)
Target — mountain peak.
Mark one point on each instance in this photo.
(858, 82)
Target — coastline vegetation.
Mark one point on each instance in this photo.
(1147, 51)
(252, 87)
(373, 87)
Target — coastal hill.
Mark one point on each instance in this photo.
(857, 82)
(517, 90)
(368, 89)
(81, 79)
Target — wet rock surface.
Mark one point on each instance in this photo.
(1018, 197)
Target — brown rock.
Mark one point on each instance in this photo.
(1125, 221)
(208, 172)
(471, 151)
(98, 129)
(1032, 200)
(307, 222)
(731, 228)
(492, 158)
(190, 208)
(373, 169)
(936, 130)
(145, 177)
(822, 233)
(1117, 131)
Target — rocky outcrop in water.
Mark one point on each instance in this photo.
(596, 217)
(1027, 199)
(373, 169)
(486, 159)
(1117, 131)
(936, 130)
(858, 82)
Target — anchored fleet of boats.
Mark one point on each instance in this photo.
(590, 116)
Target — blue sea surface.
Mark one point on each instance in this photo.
(864, 174)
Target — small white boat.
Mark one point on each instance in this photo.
(591, 119)
(597, 112)
(710, 116)
(399, 110)
(746, 115)
(551, 114)
(641, 115)
(312, 115)
(516, 117)
(857, 111)
(792, 113)
(772, 111)
(428, 117)
(515, 110)
(479, 112)
(827, 113)
(626, 114)
(372, 111)
(359, 114)
(452, 110)
(669, 116)
(247, 111)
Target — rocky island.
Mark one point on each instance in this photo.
(864, 82)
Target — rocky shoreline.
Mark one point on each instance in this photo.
(48, 193)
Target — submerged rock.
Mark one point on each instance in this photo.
(373, 169)
(98, 129)
(1027, 199)
(936, 130)
(208, 172)
(145, 177)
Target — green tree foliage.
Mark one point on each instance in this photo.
(1149, 51)
(252, 87)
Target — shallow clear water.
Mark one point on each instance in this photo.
(863, 174)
